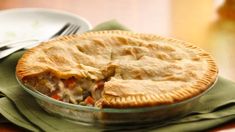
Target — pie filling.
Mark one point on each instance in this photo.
(76, 91)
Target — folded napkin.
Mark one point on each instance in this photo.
(214, 108)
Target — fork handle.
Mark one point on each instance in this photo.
(11, 50)
(15, 43)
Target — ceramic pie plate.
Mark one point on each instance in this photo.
(111, 116)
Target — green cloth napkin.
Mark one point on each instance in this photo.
(214, 108)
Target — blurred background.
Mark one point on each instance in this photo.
(209, 24)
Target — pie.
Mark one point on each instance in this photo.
(117, 69)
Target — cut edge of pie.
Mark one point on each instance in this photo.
(108, 99)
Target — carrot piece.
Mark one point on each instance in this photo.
(70, 83)
(55, 96)
(89, 100)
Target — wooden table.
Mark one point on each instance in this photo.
(209, 24)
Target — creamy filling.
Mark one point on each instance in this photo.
(76, 91)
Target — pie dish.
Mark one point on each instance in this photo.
(117, 69)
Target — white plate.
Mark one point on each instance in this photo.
(36, 23)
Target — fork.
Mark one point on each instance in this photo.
(9, 48)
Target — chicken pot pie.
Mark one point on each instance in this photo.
(117, 69)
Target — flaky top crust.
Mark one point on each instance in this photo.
(143, 69)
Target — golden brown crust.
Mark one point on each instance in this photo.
(145, 70)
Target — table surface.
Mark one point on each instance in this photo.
(209, 24)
